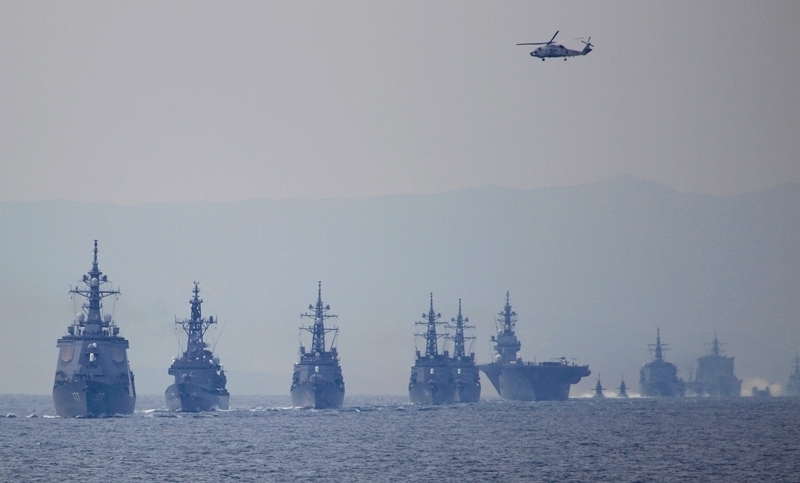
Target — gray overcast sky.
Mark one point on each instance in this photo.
(142, 102)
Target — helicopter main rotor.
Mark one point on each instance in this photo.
(543, 43)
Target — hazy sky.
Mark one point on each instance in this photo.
(142, 102)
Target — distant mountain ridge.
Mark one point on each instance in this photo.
(592, 271)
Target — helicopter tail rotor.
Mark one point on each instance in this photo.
(588, 47)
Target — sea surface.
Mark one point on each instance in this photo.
(385, 439)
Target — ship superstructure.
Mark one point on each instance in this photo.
(623, 389)
(715, 376)
(598, 388)
(432, 381)
(793, 387)
(527, 381)
(317, 381)
(659, 377)
(199, 377)
(462, 365)
(93, 376)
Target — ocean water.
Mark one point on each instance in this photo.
(385, 439)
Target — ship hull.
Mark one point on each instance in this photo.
(662, 389)
(432, 393)
(193, 398)
(467, 392)
(317, 395)
(719, 387)
(92, 399)
(659, 379)
(533, 382)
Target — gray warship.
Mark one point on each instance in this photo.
(715, 376)
(432, 381)
(659, 378)
(527, 381)
(462, 366)
(93, 376)
(793, 387)
(317, 381)
(199, 377)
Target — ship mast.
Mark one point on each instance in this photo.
(195, 327)
(509, 317)
(431, 321)
(506, 344)
(715, 346)
(94, 323)
(459, 324)
(318, 330)
(658, 349)
(797, 364)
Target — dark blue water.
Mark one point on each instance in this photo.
(386, 439)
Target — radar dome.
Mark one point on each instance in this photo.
(81, 317)
(107, 318)
(216, 360)
(95, 282)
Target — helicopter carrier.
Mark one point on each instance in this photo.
(93, 377)
(659, 378)
(715, 376)
(462, 366)
(527, 381)
(199, 377)
(432, 381)
(317, 381)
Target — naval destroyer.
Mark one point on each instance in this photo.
(462, 365)
(317, 381)
(659, 377)
(793, 387)
(93, 376)
(432, 381)
(199, 377)
(527, 381)
(715, 376)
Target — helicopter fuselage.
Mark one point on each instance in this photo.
(558, 50)
(550, 49)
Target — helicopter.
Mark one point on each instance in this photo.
(557, 50)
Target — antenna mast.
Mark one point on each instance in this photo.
(318, 330)
(195, 327)
(459, 324)
(430, 335)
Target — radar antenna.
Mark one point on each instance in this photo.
(431, 320)
(318, 329)
(91, 320)
(657, 350)
(195, 328)
(459, 324)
